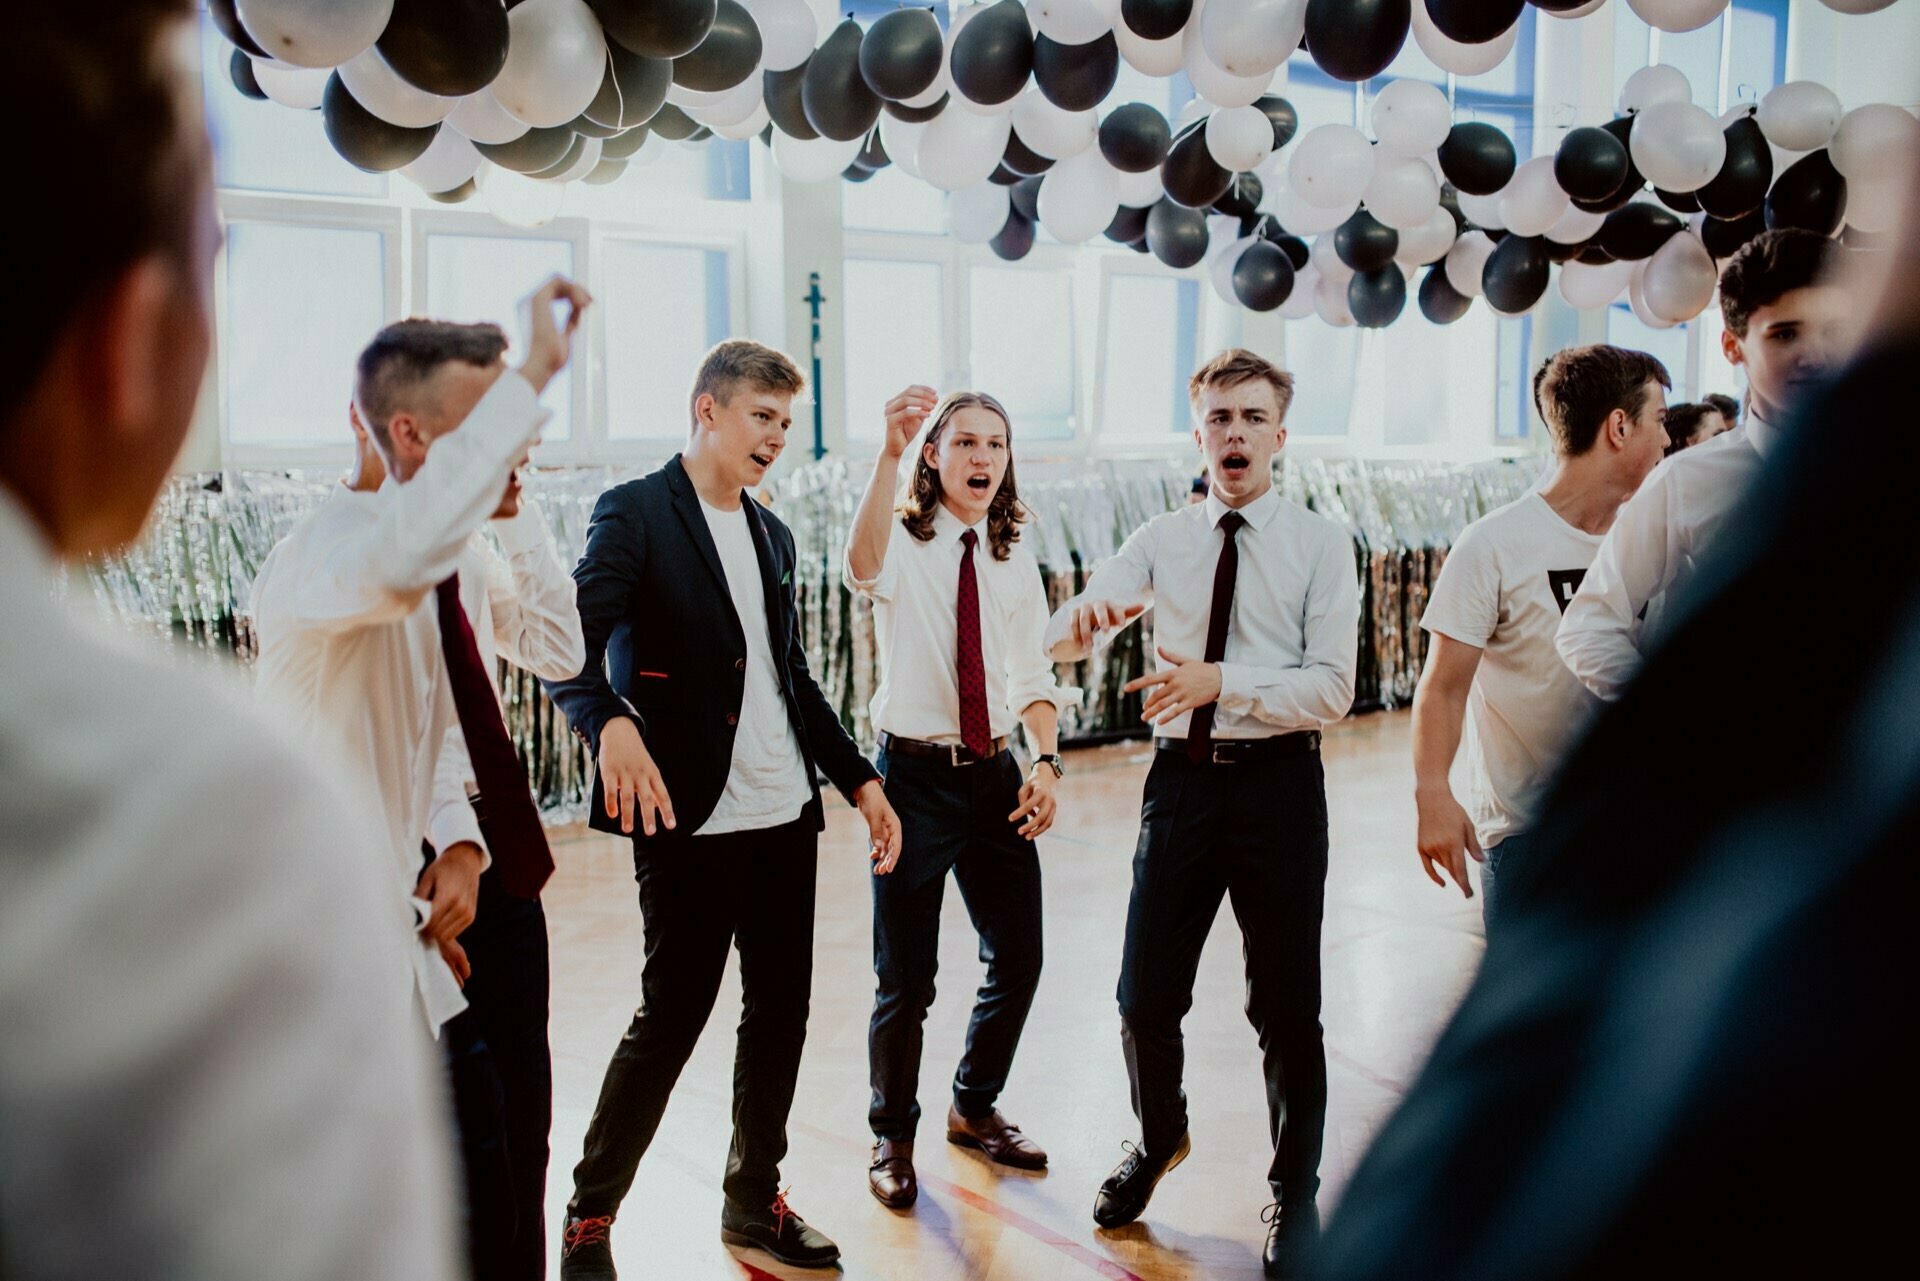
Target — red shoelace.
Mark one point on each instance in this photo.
(781, 1211)
(585, 1232)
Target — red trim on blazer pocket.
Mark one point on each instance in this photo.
(657, 676)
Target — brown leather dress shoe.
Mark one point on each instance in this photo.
(995, 1136)
(890, 1178)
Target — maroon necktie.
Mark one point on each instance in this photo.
(509, 823)
(1200, 728)
(976, 729)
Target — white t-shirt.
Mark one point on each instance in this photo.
(1503, 589)
(767, 784)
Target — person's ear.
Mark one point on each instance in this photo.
(1618, 428)
(930, 455)
(408, 434)
(134, 318)
(1732, 348)
(1280, 438)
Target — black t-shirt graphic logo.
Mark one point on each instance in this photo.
(1565, 582)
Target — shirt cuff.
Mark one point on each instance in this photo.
(1236, 687)
(525, 531)
(454, 824)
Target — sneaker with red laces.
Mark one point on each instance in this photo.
(585, 1252)
(780, 1232)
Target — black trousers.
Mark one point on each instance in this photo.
(699, 896)
(951, 819)
(1257, 834)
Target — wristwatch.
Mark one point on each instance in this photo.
(1052, 761)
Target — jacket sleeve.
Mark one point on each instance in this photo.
(836, 753)
(606, 583)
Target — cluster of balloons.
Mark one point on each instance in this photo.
(513, 99)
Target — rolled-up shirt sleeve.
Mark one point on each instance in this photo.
(1124, 578)
(1320, 690)
(1636, 562)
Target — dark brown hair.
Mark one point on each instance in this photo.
(1729, 407)
(1681, 421)
(1004, 515)
(1581, 386)
(1773, 263)
(738, 361)
(403, 356)
(107, 118)
(1237, 365)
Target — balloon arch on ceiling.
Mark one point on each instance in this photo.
(513, 99)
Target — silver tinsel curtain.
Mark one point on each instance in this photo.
(193, 572)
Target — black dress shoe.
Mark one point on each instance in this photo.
(1292, 1233)
(890, 1178)
(780, 1232)
(585, 1252)
(1124, 1196)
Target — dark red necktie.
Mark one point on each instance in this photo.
(976, 728)
(509, 823)
(1200, 728)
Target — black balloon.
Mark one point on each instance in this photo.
(1297, 251)
(1477, 158)
(240, 71)
(874, 154)
(1440, 302)
(1591, 164)
(1558, 252)
(1741, 185)
(1678, 201)
(1139, 246)
(366, 141)
(1723, 237)
(729, 53)
(534, 150)
(1356, 39)
(588, 127)
(1128, 225)
(900, 57)
(1176, 234)
(459, 195)
(1076, 77)
(1474, 21)
(1155, 19)
(1243, 197)
(1191, 175)
(1365, 243)
(993, 54)
(1015, 240)
(1450, 201)
(1377, 297)
(605, 172)
(1286, 121)
(228, 20)
(1263, 277)
(674, 124)
(1810, 193)
(1022, 159)
(917, 115)
(855, 173)
(1026, 198)
(657, 28)
(1634, 231)
(1516, 273)
(1622, 130)
(1595, 254)
(625, 145)
(574, 150)
(449, 47)
(783, 97)
(633, 87)
(1003, 176)
(833, 93)
(1134, 138)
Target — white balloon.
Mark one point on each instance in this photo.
(448, 161)
(813, 159)
(750, 127)
(1677, 15)
(1327, 261)
(976, 214)
(1250, 37)
(942, 86)
(1072, 21)
(301, 88)
(1221, 268)
(556, 58)
(959, 148)
(1330, 300)
(1532, 201)
(582, 166)
(1636, 298)
(1451, 55)
(1799, 115)
(650, 151)
(1574, 226)
(1678, 146)
(1159, 58)
(1402, 192)
(1653, 85)
(788, 31)
(1216, 85)
(1467, 260)
(1139, 190)
(1680, 279)
(901, 138)
(517, 200)
(1239, 138)
(1429, 241)
(1875, 139)
(1411, 117)
(314, 33)
(1587, 285)
(481, 117)
(1306, 288)
(1875, 204)
(1331, 165)
(731, 106)
(1856, 6)
(1053, 132)
(1078, 197)
(1304, 218)
(1483, 211)
(378, 88)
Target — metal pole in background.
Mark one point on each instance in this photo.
(814, 299)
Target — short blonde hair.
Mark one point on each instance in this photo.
(1237, 365)
(740, 360)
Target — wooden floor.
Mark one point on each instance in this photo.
(1399, 954)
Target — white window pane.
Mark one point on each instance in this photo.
(1439, 380)
(1147, 344)
(1022, 346)
(301, 303)
(1631, 44)
(665, 307)
(265, 146)
(1696, 54)
(474, 278)
(892, 326)
(892, 201)
(1323, 361)
(1317, 100)
(1754, 67)
(1513, 77)
(1412, 64)
(1669, 346)
(1716, 374)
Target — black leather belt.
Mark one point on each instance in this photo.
(951, 753)
(1240, 751)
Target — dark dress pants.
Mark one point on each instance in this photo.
(700, 896)
(952, 818)
(1256, 833)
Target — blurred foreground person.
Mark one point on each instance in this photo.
(1683, 1052)
(210, 1067)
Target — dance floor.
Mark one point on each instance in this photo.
(1399, 954)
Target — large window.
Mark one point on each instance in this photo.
(1149, 327)
(665, 306)
(894, 322)
(1736, 57)
(1326, 364)
(1624, 329)
(473, 278)
(1022, 349)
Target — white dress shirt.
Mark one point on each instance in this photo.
(349, 636)
(1651, 553)
(1294, 638)
(210, 1049)
(915, 617)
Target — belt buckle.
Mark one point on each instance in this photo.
(1217, 758)
(953, 753)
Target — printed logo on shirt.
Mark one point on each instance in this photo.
(1564, 583)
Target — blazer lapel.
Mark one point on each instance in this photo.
(769, 580)
(686, 504)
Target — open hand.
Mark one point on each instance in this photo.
(883, 826)
(631, 781)
(1178, 689)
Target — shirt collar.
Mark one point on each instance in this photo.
(1256, 513)
(1761, 434)
(948, 527)
(23, 547)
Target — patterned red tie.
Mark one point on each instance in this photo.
(509, 823)
(1200, 728)
(976, 728)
